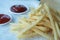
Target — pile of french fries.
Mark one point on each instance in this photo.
(40, 22)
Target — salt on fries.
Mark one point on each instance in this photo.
(40, 22)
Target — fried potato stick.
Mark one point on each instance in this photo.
(52, 23)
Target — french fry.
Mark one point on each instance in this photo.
(52, 23)
(44, 29)
(27, 35)
(42, 34)
(57, 28)
(30, 26)
(33, 24)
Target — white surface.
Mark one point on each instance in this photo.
(5, 5)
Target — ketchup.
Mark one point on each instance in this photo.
(4, 18)
(18, 8)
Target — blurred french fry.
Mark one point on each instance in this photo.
(57, 28)
(43, 34)
(27, 35)
(44, 29)
(52, 23)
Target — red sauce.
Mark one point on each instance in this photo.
(18, 8)
(4, 18)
